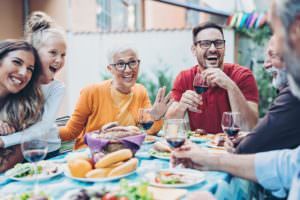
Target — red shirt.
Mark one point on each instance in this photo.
(215, 99)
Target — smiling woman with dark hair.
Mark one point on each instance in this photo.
(21, 99)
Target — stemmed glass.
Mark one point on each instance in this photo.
(200, 86)
(231, 123)
(146, 120)
(175, 132)
(34, 150)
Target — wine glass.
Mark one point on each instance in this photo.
(175, 132)
(34, 150)
(231, 123)
(200, 84)
(146, 120)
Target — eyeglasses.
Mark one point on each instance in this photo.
(121, 66)
(205, 44)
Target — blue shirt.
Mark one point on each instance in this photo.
(275, 171)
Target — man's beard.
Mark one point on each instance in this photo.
(293, 68)
(280, 81)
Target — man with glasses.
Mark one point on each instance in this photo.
(230, 86)
(114, 100)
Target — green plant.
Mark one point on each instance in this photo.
(257, 35)
(253, 51)
(267, 92)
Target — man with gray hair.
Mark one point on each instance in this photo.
(273, 133)
(274, 170)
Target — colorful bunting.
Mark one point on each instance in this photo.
(247, 20)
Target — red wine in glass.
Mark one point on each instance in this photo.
(199, 84)
(34, 155)
(146, 125)
(175, 142)
(232, 131)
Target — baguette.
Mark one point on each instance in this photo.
(114, 157)
(98, 173)
(125, 168)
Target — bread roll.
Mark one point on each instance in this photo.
(161, 147)
(113, 158)
(125, 168)
(98, 173)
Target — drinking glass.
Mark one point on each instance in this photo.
(34, 150)
(175, 132)
(200, 84)
(146, 120)
(231, 123)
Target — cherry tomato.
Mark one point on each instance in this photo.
(109, 196)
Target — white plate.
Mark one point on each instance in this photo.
(154, 138)
(199, 139)
(40, 177)
(155, 154)
(199, 177)
(212, 145)
(69, 175)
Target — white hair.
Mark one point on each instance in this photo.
(120, 47)
(287, 10)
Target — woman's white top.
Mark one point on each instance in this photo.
(53, 94)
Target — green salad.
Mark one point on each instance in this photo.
(23, 170)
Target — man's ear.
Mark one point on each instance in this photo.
(294, 34)
(193, 49)
(109, 68)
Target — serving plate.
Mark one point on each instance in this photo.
(195, 176)
(69, 175)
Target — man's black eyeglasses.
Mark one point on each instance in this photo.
(205, 44)
(121, 66)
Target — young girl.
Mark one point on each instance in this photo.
(21, 99)
(50, 42)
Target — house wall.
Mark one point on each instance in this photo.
(11, 19)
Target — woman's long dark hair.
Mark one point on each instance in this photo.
(24, 108)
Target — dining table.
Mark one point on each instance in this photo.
(223, 186)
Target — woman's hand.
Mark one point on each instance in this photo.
(161, 104)
(6, 129)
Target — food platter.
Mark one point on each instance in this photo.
(175, 178)
(159, 155)
(25, 172)
(69, 175)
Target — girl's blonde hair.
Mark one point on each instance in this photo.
(40, 27)
(24, 108)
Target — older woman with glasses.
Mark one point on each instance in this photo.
(118, 99)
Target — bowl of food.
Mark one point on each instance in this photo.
(113, 137)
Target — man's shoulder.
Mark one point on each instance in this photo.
(187, 73)
(286, 95)
(236, 68)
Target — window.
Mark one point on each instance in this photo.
(119, 15)
(192, 17)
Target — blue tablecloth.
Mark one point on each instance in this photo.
(222, 185)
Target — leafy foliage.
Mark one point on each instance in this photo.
(267, 92)
(257, 35)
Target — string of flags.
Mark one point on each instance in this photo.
(247, 20)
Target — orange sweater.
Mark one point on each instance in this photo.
(95, 108)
